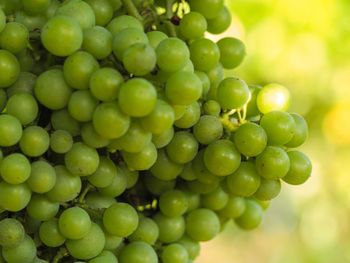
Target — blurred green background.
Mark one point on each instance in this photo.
(304, 45)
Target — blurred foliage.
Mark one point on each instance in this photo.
(304, 45)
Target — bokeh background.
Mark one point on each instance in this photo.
(304, 45)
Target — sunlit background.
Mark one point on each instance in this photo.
(304, 45)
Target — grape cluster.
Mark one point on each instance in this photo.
(121, 140)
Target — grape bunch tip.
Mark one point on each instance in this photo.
(120, 138)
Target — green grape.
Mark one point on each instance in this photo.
(24, 84)
(232, 93)
(116, 4)
(51, 9)
(252, 107)
(202, 224)
(82, 105)
(268, 189)
(174, 253)
(80, 11)
(205, 54)
(14, 197)
(61, 141)
(105, 173)
(137, 97)
(179, 110)
(212, 107)
(131, 176)
(116, 187)
(279, 126)
(89, 246)
(10, 130)
(183, 88)
(190, 117)
(112, 242)
(232, 52)
(62, 36)
(24, 252)
(147, 231)
(126, 38)
(104, 257)
(192, 246)
(91, 137)
(173, 203)
(38, 260)
(245, 181)
(215, 75)
(14, 37)
(50, 235)
(205, 82)
(163, 139)
(251, 217)
(9, 67)
(11, 232)
(160, 119)
(172, 54)
(193, 199)
(250, 139)
(135, 139)
(35, 7)
(41, 208)
(51, 89)
(215, 200)
(208, 8)
(120, 219)
(301, 131)
(105, 84)
(171, 229)
(208, 129)
(24, 107)
(82, 159)
(300, 168)
(62, 120)
(78, 68)
(99, 201)
(221, 158)
(154, 38)
(157, 186)
(35, 141)
(103, 10)
(3, 99)
(2, 20)
(42, 177)
(15, 168)
(142, 160)
(67, 185)
(273, 97)
(193, 25)
(182, 148)
(188, 173)
(98, 42)
(74, 223)
(273, 163)
(234, 208)
(26, 63)
(109, 121)
(138, 252)
(221, 22)
(139, 59)
(202, 188)
(122, 22)
(164, 168)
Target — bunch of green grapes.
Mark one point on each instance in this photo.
(120, 138)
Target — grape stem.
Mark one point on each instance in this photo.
(132, 10)
(60, 254)
(169, 15)
(84, 193)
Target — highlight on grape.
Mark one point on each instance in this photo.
(120, 138)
